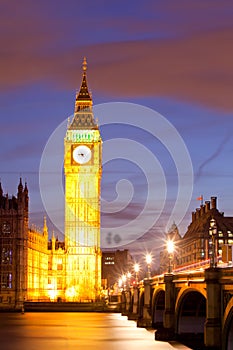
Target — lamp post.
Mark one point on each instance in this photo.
(124, 281)
(170, 250)
(128, 279)
(148, 261)
(120, 282)
(136, 269)
(212, 234)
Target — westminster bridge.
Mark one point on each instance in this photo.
(193, 304)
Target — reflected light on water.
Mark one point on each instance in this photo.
(72, 331)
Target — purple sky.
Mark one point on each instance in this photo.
(175, 57)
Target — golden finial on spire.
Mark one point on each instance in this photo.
(84, 65)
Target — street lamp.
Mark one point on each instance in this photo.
(148, 261)
(170, 250)
(120, 282)
(123, 281)
(136, 269)
(212, 234)
(128, 279)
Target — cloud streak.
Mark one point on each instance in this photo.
(215, 154)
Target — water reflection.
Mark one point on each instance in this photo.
(69, 331)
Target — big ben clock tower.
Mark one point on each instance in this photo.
(83, 170)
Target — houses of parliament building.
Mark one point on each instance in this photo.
(34, 268)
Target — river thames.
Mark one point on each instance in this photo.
(75, 331)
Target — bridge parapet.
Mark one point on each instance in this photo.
(157, 280)
(176, 302)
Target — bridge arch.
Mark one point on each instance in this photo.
(228, 326)
(158, 307)
(186, 289)
(190, 315)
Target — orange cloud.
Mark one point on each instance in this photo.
(195, 67)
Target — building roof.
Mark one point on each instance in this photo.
(201, 220)
(8, 203)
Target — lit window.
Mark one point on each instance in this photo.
(6, 280)
(59, 267)
(6, 229)
(6, 257)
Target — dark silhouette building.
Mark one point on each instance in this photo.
(13, 246)
(114, 265)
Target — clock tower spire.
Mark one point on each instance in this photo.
(83, 114)
(83, 94)
(83, 171)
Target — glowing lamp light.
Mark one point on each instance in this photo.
(136, 267)
(123, 278)
(170, 246)
(148, 259)
(120, 282)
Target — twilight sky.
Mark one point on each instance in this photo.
(174, 57)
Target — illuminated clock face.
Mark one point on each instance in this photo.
(82, 154)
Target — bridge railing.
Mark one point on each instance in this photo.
(198, 265)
